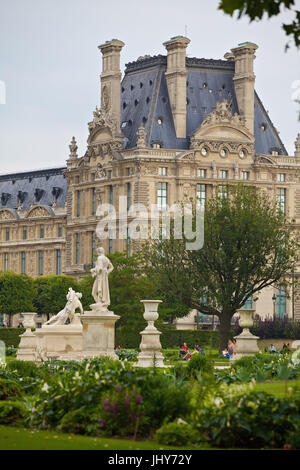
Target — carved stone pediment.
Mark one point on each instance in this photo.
(265, 160)
(38, 211)
(220, 126)
(105, 137)
(6, 214)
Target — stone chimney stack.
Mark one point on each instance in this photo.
(176, 81)
(111, 79)
(297, 146)
(244, 79)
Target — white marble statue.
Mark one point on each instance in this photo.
(68, 311)
(101, 272)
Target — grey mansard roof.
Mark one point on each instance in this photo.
(145, 98)
(37, 186)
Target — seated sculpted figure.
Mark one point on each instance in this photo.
(68, 311)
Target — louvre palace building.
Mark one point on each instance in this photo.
(174, 126)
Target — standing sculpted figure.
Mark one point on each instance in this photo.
(101, 272)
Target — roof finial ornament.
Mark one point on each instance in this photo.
(141, 137)
(297, 146)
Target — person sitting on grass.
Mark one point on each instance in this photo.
(272, 349)
(182, 352)
(226, 353)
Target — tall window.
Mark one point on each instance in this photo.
(128, 196)
(202, 173)
(281, 302)
(41, 263)
(60, 230)
(110, 245)
(77, 203)
(245, 175)
(7, 234)
(42, 231)
(224, 174)
(162, 196)
(128, 242)
(223, 191)
(58, 262)
(281, 177)
(94, 202)
(23, 262)
(201, 194)
(6, 262)
(93, 249)
(281, 199)
(163, 171)
(77, 248)
(248, 304)
(111, 195)
(24, 233)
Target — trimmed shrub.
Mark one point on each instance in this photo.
(199, 363)
(13, 413)
(176, 434)
(9, 389)
(80, 421)
(11, 336)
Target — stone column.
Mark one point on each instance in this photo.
(27, 346)
(98, 332)
(150, 346)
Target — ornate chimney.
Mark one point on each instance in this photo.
(111, 80)
(244, 79)
(176, 81)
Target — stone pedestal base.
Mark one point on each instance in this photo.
(27, 346)
(246, 345)
(98, 332)
(150, 347)
(59, 341)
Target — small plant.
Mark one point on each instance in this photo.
(9, 389)
(13, 413)
(178, 433)
(24, 368)
(199, 363)
(81, 421)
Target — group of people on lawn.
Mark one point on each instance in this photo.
(185, 354)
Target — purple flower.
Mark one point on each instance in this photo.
(102, 423)
(139, 399)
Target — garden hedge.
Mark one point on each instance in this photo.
(130, 337)
(11, 336)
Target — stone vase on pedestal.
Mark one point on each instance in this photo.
(150, 345)
(98, 332)
(246, 342)
(27, 346)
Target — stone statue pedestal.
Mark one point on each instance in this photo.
(60, 341)
(150, 346)
(98, 332)
(246, 342)
(27, 346)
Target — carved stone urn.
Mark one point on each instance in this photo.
(27, 346)
(246, 342)
(150, 346)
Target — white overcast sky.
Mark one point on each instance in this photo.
(50, 64)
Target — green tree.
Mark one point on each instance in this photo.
(255, 9)
(51, 293)
(248, 245)
(16, 293)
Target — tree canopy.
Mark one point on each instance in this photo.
(17, 292)
(255, 10)
(248, 245)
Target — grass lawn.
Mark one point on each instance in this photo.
(276, 387)
(12, 438)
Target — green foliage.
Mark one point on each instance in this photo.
(256, 9)
(51, 293)
(127, 355)
(11, 336)
(199, 364)
(251, 420)
(13, 413)
(242, 254)
(16, 293)
(81, 421)
(23, 368)
(122, 412)
(9, 389)
(176, 434)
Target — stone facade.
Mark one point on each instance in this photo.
(174, 127)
